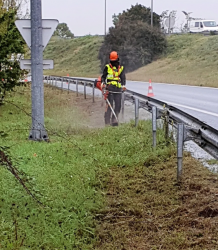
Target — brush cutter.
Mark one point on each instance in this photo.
(105, 93)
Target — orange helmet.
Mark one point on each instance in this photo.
(114, 56)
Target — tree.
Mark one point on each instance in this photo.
(137, 13)
(11, 44)
(135, 40)
(63, 31)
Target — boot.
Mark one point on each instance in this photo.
(114, 121)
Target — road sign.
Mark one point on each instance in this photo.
(170, 22)
(26, 64)
(48, 28)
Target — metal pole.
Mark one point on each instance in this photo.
(152, 12)
(62, 83)
(38, 131)
(123, 104)
(68, 87)
(180, 143)
(93, 92)
(105, 21)
(136, 111)
(154, 125)
(77, 88)
(85, 90)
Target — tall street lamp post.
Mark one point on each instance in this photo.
(105, 21)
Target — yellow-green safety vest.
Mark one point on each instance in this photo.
(114, 75)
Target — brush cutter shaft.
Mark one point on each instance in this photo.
(112, 109)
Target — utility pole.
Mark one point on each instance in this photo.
(105, 21)
(38, 132)
(152, 12)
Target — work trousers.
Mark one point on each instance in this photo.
(114, 97)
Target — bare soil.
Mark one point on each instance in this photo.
(93, 113)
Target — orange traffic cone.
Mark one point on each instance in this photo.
(68, 76)
(150, 90)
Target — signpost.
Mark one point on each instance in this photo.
(37, 33)
(26, 64)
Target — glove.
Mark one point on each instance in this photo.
(106, 94)
(103, 85)
(124, 87)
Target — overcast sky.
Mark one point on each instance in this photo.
(87, 16)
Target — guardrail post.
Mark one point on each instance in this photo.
(68, 87)
(166, 125)
(62, 84)
(56, 82)
(93, 92)
(77, 92)
(180, 143)
(136, 111)
(85, 90)
(47, 79)
(154, 125)
(123, 103)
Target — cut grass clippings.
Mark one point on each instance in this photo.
(100, 188)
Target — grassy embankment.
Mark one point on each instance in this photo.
(190, 59)
(76, 57)
(100, 188)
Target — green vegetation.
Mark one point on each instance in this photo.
(212, 162)
(63, 174)
(76, 57)
(99, 188)
(134, 39)
(11, 44)
(191, 59)
(63, 31)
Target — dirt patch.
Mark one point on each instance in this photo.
(93, 113)
(146, 209)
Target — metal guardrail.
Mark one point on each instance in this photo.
(188, 127)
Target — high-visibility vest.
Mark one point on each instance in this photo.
(113, 76)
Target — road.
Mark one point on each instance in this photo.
(200, 102)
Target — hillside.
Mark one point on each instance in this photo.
(77, 57)
(190, 59)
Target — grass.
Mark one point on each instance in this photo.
(190, 60)
(100, 188)
(76, 57)
(63, 174)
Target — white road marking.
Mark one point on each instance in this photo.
(195, 109)
(180, 85)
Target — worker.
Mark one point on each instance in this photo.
(115, 81)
